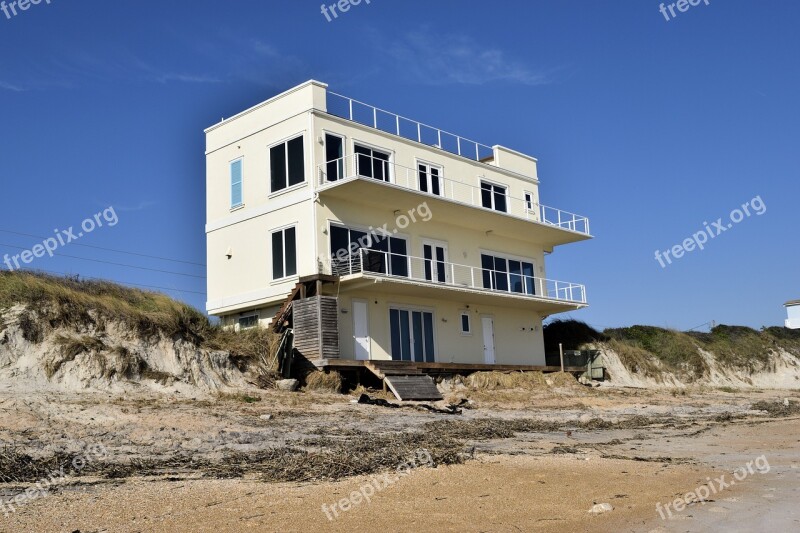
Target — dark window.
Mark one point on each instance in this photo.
(527, 276)
(405, 337)
(493, 197)
(434, 265)
(429, 180)
(486, 195)
(515, 276)
(465, 326)
(297, 166)
(399, 255)
(419, 346)
(500, 274)
(277, 160)
(394, 320)
(427, 319)
(529, 201)
(372, 163)
(510, 275)
(427, 251)
(334, 155)
(382, 255)
(287, 164)
(284, 253)
(487, 264)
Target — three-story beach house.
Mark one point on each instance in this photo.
(421, 245)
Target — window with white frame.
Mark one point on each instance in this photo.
(508, 274)
(334, 157)
(493, 196)
(466, 324)
(237, 197)
(430, 178)
(284, 253)
(372, 163)
(287, 164)
(529, 201)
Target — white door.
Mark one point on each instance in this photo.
(361, 330)
(488, 339)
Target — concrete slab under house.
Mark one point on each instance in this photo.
(376, 238)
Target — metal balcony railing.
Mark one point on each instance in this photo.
(419, 269)
(489, 196)
(345, 107)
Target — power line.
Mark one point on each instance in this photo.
(112, 263)
(107, 249)
(116, 281)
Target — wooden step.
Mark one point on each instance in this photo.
(392, 368)
(420, 388)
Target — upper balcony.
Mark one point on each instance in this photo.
(364, 178)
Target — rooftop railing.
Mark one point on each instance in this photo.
(512, 281)
(345, 107)
(362, 166)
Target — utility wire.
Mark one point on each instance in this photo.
(112, 263)
(107, 249)
(115, 281)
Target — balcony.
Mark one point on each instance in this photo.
(386, 121)
(417, 276)
(372, 172)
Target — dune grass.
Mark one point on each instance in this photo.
(331, 381)
(63, 303)
(649, 350)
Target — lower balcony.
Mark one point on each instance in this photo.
(429, 278)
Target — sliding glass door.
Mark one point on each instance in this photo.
(412, 335)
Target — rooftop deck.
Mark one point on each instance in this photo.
(350, 109)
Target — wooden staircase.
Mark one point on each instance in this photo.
(392, 368)
(305, 287)
(405, 380)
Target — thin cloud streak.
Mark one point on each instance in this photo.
(454, 59)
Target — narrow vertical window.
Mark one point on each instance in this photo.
(334, 157)
(284, 253)
(466, 327)
(528, 202)
(236, 183)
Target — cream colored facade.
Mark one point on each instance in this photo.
(443, 216)
(793, 314)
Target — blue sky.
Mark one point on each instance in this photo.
(647, 126)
